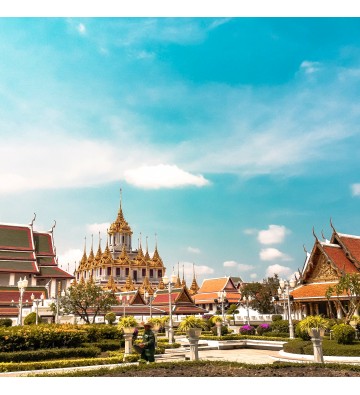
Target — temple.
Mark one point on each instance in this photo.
(120, 267)
(30, 254)
(327, 262)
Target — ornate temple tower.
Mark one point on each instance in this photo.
(119, 266)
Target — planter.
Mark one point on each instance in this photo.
(316, 333)
(129, 330)
(194, 333)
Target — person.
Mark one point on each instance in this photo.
(148, 343)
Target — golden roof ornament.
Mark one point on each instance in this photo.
(129, 286)
(178, 281)
(161, 284)
(106, 258)
(194, 285)
(147, 256)
(91, 256)
(183, 282)
(111, 285)
(98, 255)
(123, 258)
(120, 225)
(156, 260)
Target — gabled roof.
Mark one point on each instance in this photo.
(217, 284)
(53, 272)
(9, 293)
(310, 291)
(352, 244)
(232, 297)
(339, 258)
(16, 237)
(43, 243)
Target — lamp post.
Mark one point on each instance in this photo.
(222, 300)
(285, 287)
(149, 298)
(170, 283)
(62, 294)
(247, 299)
(37, 301)
(22, 284)
(125, 300)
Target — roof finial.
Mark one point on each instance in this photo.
(331, 224)
(183, 273)
(314, 234)
(85, 245)
(120, 199)
(92, 241)
(99, 239)
(147, 243)
(52, 228)
(140, 241)
(178, 270)
(32, 222)
(304, 248)
(194, 270)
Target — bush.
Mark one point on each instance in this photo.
(5, 322)
(98, 332)
(224, 330)
(262, 328)
(280, 326)
(30, 319)
(110, 317)
(302, 334)
(247, 330)
(344, 333)
(276, 317)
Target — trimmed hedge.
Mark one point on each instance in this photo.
(44, 355)
(107, 345)
(330, 348)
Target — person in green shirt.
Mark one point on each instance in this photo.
(148, 344)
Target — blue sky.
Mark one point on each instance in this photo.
(230, 137)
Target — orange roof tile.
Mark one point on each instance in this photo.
(213, 284)
(337, 255)
(232, 297)
(352, 244)
(308, 291)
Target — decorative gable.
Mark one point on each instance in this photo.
(322, 271)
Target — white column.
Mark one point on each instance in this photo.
(12, 279)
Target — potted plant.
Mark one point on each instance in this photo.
(192, 326)
(127, 324)
(315, 325)
(156, 323)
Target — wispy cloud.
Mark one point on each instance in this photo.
(163, 176)
(271, 254)
(240, 266)
(275, 234)
(194, 250)
(310, 67)
(96, 228)
(355, 189)
(81, 28)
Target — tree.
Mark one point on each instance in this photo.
(349, 286)
(86, 299)
(262, 294)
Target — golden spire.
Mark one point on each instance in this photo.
(147, 256)
(91, 257)
(129, 286)
(178, 281)
(146, 286)
(106, 258)
(183, 283)
(120, 225)
(111, 286)
(156, 260)
(98, 255)
(83, 261)
(194, 285)
(161, 284)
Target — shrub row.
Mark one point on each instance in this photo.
(107, 345)
(55, 353)
(330, 348)
(17, 367)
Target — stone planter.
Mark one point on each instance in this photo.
(128, 332)
(218, 325)
(316, 339)
(130, 329)
(193, 336)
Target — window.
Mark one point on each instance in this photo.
(151, 273)
(143, 272)
(100, 271)
(127, 271)
(118, 271)
(109, 271)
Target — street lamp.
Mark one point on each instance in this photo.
(222, 300)
(285, 287)
(170, 283)
(22, 284)
(62, 294)
(125, 300)
(149, 298)
(247, 299)
(37, 301)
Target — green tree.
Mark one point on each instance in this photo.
(262, 294)
(349, 287)
(87, 300)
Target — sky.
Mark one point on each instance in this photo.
(231, 137)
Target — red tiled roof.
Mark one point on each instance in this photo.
(53, 272)
(19, 266)
(338, 257)
(7, 294)
(352, 244)
(163, 297)
(13, 237)
(307, 291)
(17, 255)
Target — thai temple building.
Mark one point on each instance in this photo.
(122, 268)
(323, 267)
(30, 255)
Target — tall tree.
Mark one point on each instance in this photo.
(349, 286)
(262, 294)
(87, 300)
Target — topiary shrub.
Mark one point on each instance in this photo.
(110, 317)
(344, 333)
(224, 330)
(247, 330)
(280, 326)
(262, 328)
(5, 322)
(30, 319)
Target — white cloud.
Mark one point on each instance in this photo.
(81, 28)
(310, 67)
(355, 189)
(270, 254)
(194, 250)
(274, 235)
(229, 264)
(251, 231)
(163, 176)
(253, 276)
(96, 228)
(243, 268)
(68, 258)
(281, 271)
(201, 272)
